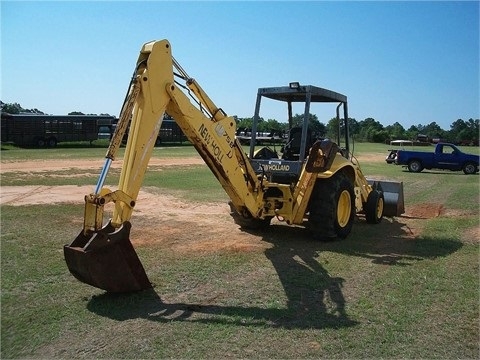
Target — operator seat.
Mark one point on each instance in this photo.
(291, 151)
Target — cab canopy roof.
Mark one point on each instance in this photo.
(298, 93)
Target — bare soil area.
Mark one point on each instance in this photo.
(183, 225)
(56, 165)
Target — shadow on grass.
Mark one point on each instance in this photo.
(392, 242)
(148, 305)
(314, 298)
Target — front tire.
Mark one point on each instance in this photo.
(374, 207)
(332, 208)
(469, 169)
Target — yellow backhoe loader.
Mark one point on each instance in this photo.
(316, 182)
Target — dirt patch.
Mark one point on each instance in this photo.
(424, 211)
(365, 158)
(35, 195)
(162, 220)
(187, 226)
(58, 165)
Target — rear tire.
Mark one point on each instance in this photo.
(415, 166)
(374, 207)
(39, 141)
(332, 208)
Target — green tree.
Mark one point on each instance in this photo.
(434, 131)
(412, 132)
(457, 127)
(464, 132)
(380, 136)
(332, 128)
(396, 131)
(273, 125)
(14, 108)
(353, 126)
(317, 128)
(244, 123)
(371, 130)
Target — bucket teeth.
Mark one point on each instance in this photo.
(107, 260)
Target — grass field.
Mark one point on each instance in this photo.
(406, 288)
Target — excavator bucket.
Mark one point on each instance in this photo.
(107, 260)
(394, 204)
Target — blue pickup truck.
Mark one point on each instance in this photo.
(446, 156)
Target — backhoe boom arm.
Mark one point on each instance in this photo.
(154, 92)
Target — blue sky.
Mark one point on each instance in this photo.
(407, 62)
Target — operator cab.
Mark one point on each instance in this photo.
(285, 169)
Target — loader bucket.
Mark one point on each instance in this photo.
(394, 204)
(107, 260)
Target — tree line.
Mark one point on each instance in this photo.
(16, 108)
(465, 132)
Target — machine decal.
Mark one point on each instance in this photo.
(205, 134)
(276, 167)
(220, 130)
(216, 150)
